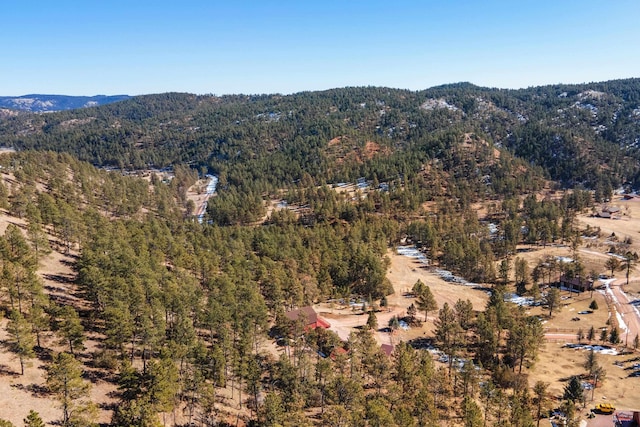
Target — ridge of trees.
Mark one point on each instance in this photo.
(570, 133)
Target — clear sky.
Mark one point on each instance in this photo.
(88, 47)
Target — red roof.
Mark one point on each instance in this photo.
(387, 349)
(336, 351)
(312, 319)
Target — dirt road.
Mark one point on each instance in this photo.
(628, 310)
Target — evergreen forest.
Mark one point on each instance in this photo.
(186, 320)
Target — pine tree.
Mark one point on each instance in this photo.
(613, 264)
(71, 329)
(447, 332)
(573, 391)
(591, 362)
(521, 275)
(33, 420)
(64, 379)
(411, 312)
(372, 321)
(614, 336)
(630, 260)
(426, 302)
(540, 398)
(603, 334)
(22, 340)
(553, 300)
(272, 412)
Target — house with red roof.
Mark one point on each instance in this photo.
(311, 318)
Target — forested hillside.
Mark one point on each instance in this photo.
(578, 134)
(182, 322)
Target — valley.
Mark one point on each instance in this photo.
(351, 257)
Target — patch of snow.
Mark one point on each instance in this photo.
(593, 94)
(493, 228)
(450, 277)
(518, 300)
(435, 104)
(596, 348)
(412, 252)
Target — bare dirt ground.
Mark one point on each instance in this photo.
(403, 273)
(21, 393)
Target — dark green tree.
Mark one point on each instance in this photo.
(630, 260)
(553, 300)
(573, 391)
(614, 336)
(21, 338)
(33, 420)
(447, 332)
(71, 329)
(613, 264)
(64, 379)
(540, 398)
(372, 321)
(426, 301)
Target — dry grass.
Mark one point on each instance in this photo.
(19, 394)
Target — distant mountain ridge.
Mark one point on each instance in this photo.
(585, 135)
(37, 103)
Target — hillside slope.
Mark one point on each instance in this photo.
(583, 135)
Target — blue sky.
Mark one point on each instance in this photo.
(89, 47)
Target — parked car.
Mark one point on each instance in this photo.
(605, 408)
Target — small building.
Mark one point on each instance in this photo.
(576, 284)
(611, 212)
(311, 318)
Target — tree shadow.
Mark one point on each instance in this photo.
(43, 354)
(36, 390)
(5, 370)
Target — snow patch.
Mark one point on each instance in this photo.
(412, 252)
(435, 104)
